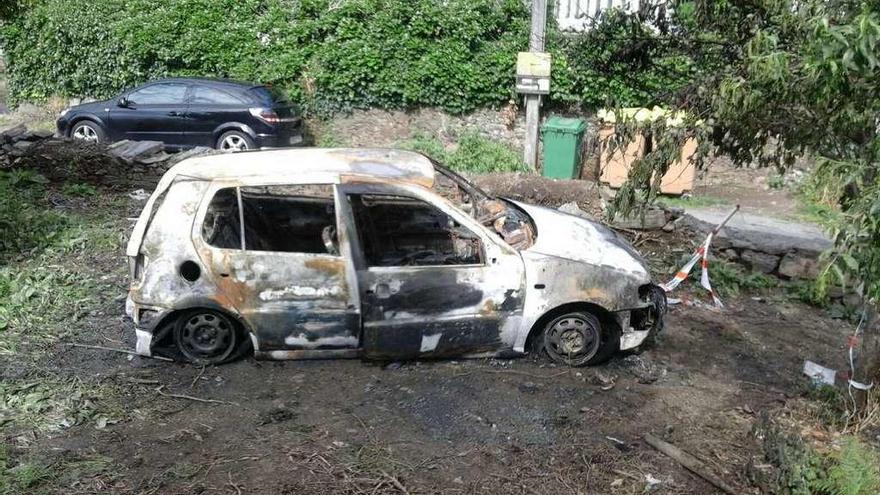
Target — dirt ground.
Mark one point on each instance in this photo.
(485, 426)
(479, 426)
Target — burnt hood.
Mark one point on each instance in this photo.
(578, 239)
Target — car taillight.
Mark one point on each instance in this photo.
(266, 115)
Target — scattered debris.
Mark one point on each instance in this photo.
(645, 371)
(651, 482)
(139, 195)
(819, 373)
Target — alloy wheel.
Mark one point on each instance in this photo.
(233, 143)
(86, 133)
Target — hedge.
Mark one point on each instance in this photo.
(331, 55)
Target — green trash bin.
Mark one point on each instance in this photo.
(562, 147)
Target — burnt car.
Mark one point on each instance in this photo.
(373, 253)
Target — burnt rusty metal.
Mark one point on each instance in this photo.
(508, 264)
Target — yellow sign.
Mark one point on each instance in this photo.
(533, 64)
(533, 73)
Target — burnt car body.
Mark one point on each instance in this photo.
(382, 254)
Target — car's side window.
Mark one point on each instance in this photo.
(292, 219)
(289, 219)
(221, 227)
(204, 95)
(402, 231)
(159, 94)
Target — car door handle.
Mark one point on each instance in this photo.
(175, 114)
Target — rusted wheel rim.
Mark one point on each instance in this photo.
(572, 339)
(206, 337)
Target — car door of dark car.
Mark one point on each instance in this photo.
(432, 282)
(156, 112)
(284, 271)
(210, 108)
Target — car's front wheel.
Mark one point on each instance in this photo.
(235, 141)
(578, 338)
(88, 131)
(205, 336)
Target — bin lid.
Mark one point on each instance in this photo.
(564, 125)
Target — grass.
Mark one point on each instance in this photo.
(65, 476)
(49, 283)
(471, 153)
(21, 478)
(729, 279)
(822, 214)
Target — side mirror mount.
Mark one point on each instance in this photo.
(123, 102)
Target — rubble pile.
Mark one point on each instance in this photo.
(121, 165)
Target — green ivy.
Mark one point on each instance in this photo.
(457, 55)
(330, 55)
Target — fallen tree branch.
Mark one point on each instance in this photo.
(690, 462)
(397, 484)
(189, 397)
(122, 351)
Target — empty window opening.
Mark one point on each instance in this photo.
(289, 219)
(222, 228)
(401, 231)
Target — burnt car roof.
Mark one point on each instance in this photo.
(390, 164)
(375, 163)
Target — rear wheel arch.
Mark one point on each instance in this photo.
(233, 126)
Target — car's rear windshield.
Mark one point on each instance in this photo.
(271, 96)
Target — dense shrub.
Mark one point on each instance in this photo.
(457, 55)
(330, 55)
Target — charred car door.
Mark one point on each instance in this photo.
(432, 281)
(278, 261)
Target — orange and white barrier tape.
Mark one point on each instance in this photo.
(702, 253)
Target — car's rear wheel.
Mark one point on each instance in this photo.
(204, 336)
(577, 338)
(88, 131)
(235, 141)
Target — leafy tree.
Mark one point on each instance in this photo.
(779, 79)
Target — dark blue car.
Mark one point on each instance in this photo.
(183, 113)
